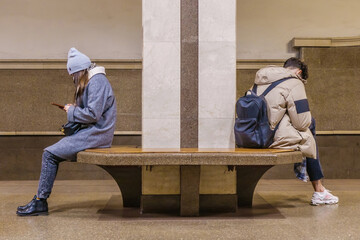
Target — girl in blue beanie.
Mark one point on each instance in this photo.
(94, 108)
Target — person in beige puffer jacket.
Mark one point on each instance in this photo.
(288, 108)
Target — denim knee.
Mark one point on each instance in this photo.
(48, 156)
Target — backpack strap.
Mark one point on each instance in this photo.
(274, 84)
(254, 89)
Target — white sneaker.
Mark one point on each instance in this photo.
(324, 197)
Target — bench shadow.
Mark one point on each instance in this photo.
(114, 211)
(71, 206)
(290, 201)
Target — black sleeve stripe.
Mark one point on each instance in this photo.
(302, 106)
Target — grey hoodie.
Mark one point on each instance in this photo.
(287, 104)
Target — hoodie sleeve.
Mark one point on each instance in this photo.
(298, 108)
(95, 105)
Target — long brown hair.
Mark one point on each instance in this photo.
(80, 79)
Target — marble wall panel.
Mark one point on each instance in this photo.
(161, 74)
(217, 73)
(216, 133)
(161, 20)
(161, 133)
(217, 79)
(217, 20)
(161, 80)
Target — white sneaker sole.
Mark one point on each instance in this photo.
(323, 202)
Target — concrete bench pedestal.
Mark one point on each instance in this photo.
(177, 180)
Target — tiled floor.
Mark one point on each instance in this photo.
(92, 210)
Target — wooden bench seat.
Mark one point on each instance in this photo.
(128, 166)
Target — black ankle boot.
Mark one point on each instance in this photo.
(27, 205)
(34, 208)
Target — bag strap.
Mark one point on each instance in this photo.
(271, 87)
(254, 89)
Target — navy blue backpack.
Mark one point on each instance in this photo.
(252, 128)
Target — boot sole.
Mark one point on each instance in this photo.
(32, 214)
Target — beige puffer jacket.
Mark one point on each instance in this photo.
(287, 103)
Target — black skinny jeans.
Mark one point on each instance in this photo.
(49, 168)
(313, 166)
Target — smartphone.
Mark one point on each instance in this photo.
(58, 105)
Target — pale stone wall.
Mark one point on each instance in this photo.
(265, 28)
(41, 29)
(109, 29)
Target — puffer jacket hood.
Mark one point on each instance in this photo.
(271, 74)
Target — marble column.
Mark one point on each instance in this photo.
(217, 73)
(161, 74)
(188, 99)
(189, 73)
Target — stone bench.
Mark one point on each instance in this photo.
(187, 180)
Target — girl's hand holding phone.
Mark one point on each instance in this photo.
(67, 106)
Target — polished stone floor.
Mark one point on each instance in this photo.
(93, 210)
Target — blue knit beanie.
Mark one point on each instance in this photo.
(77, 61)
